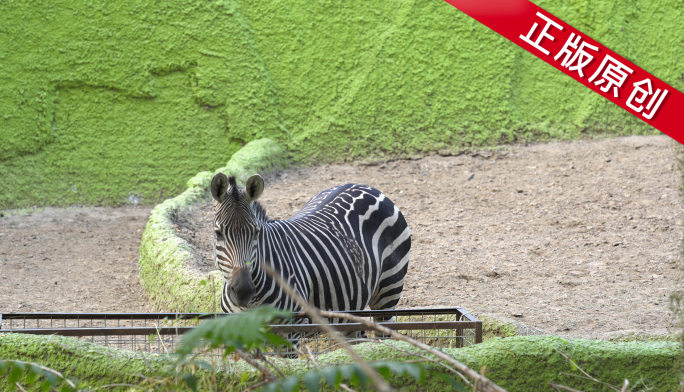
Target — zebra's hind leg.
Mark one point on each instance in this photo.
(382, 319)
(354, 336)
(386, 299)
(391, 283)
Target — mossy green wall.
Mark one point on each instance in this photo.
(112, 102)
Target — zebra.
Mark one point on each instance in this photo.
(347, 249)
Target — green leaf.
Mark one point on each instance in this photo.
(15, 374)
(332, 376)
(51, 378)
(457, 385)
(273, 387)
(354, 374)
(347, 371)
(45, 386)
(234, 331)
(384, 371)
(363, 378)
(190, 380)
(415, 371)
(312, 380)
(34, 373)
(290, 384)
(203, 282)
(228, 351)
(203, 365)
(277, 340)
(65, 388)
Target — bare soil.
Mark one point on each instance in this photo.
(72, 260)
(576, 239)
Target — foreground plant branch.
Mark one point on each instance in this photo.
(379, 382)
(264, 371)
(427, 359)
(311, 357)
(587, 376)
(563, 387)
(42, 368)
(482, 383)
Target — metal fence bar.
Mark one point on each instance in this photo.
(162, 332)
(179, 316)
(294, 328)
(478, 327)
(110, 316)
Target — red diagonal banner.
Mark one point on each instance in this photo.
(583, 59)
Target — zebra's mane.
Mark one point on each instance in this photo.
(235, 191)
(260, 212)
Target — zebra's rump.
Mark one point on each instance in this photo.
(346, 249)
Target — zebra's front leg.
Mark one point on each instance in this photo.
(295, 339)
(298, 339)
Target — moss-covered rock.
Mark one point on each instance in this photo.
(529, 363)
(517, 364)
(86, 362)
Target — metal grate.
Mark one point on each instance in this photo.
(161, 332)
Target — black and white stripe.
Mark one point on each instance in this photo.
(347, 249)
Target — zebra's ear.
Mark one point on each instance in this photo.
(219, 186)
(254, 187)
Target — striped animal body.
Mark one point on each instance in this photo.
(347, 249)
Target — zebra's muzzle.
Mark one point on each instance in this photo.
(242, 288)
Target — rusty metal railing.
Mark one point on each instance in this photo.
(161, 332)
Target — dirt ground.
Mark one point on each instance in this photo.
(72, 260)
(576, 239)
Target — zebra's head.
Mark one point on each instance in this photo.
(236, 230)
